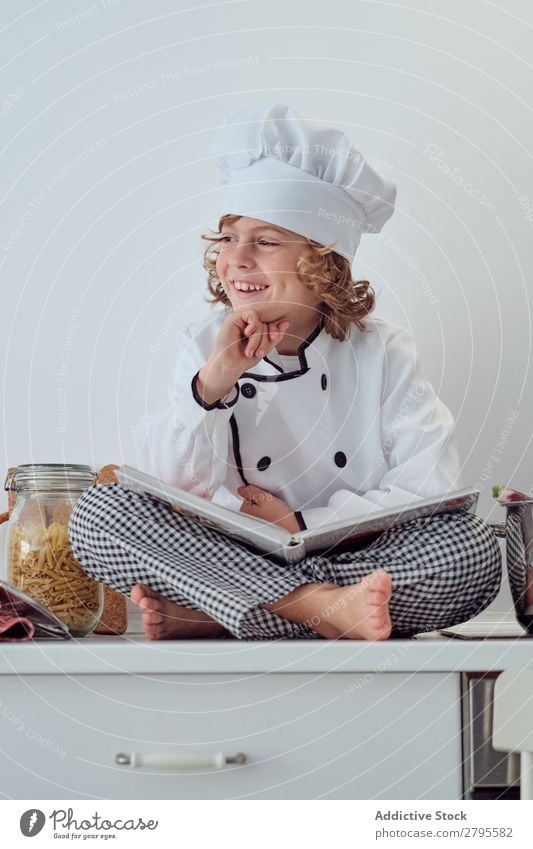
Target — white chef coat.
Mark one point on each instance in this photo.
(338, 431)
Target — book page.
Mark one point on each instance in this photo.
(345, 533)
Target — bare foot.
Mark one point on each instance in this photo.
(164, 620)
(355, 612)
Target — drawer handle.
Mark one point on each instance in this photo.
(178, 760)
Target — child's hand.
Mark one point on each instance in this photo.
(263, 505)
(242, 342)
(261, 336)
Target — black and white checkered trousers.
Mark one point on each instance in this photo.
(445, 569)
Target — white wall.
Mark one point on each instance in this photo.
(106, 186)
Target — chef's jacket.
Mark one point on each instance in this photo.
(338, 431)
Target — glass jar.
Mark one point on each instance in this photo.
(39, 558)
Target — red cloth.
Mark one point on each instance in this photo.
(15, 628)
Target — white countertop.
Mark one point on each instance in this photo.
(133, 654)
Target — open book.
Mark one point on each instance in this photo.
(21, 606)
(269, 539)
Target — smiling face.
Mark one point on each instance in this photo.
(257, 266)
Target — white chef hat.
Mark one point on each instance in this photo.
(302, 176)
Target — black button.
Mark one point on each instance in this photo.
(340, 459)
(248, 390)
(263, 464)
(324, 381)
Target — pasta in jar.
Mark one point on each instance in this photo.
(41, 562)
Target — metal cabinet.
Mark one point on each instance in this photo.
(487, 774)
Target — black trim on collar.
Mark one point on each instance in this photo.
(218, 405)
(274, 365)
(289, 375)
(237, 447)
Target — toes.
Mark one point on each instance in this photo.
(152, 617)
(137, 593)
(381, 623)
(147, 603)
(378, 585)
(140, 592)
(380, 578)
(152, 633)
(379, 628)
(376, 598)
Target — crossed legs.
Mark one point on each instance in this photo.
(192, 582)
(357, 612)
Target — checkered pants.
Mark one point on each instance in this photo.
(445, 569)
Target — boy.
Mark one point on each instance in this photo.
(291, 405)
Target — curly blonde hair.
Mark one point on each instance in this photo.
(344, 301)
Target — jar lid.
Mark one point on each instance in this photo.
(55, 476)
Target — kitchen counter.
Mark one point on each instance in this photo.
(313, 718)
(133, 653)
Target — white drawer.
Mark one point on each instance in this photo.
(335, 736)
